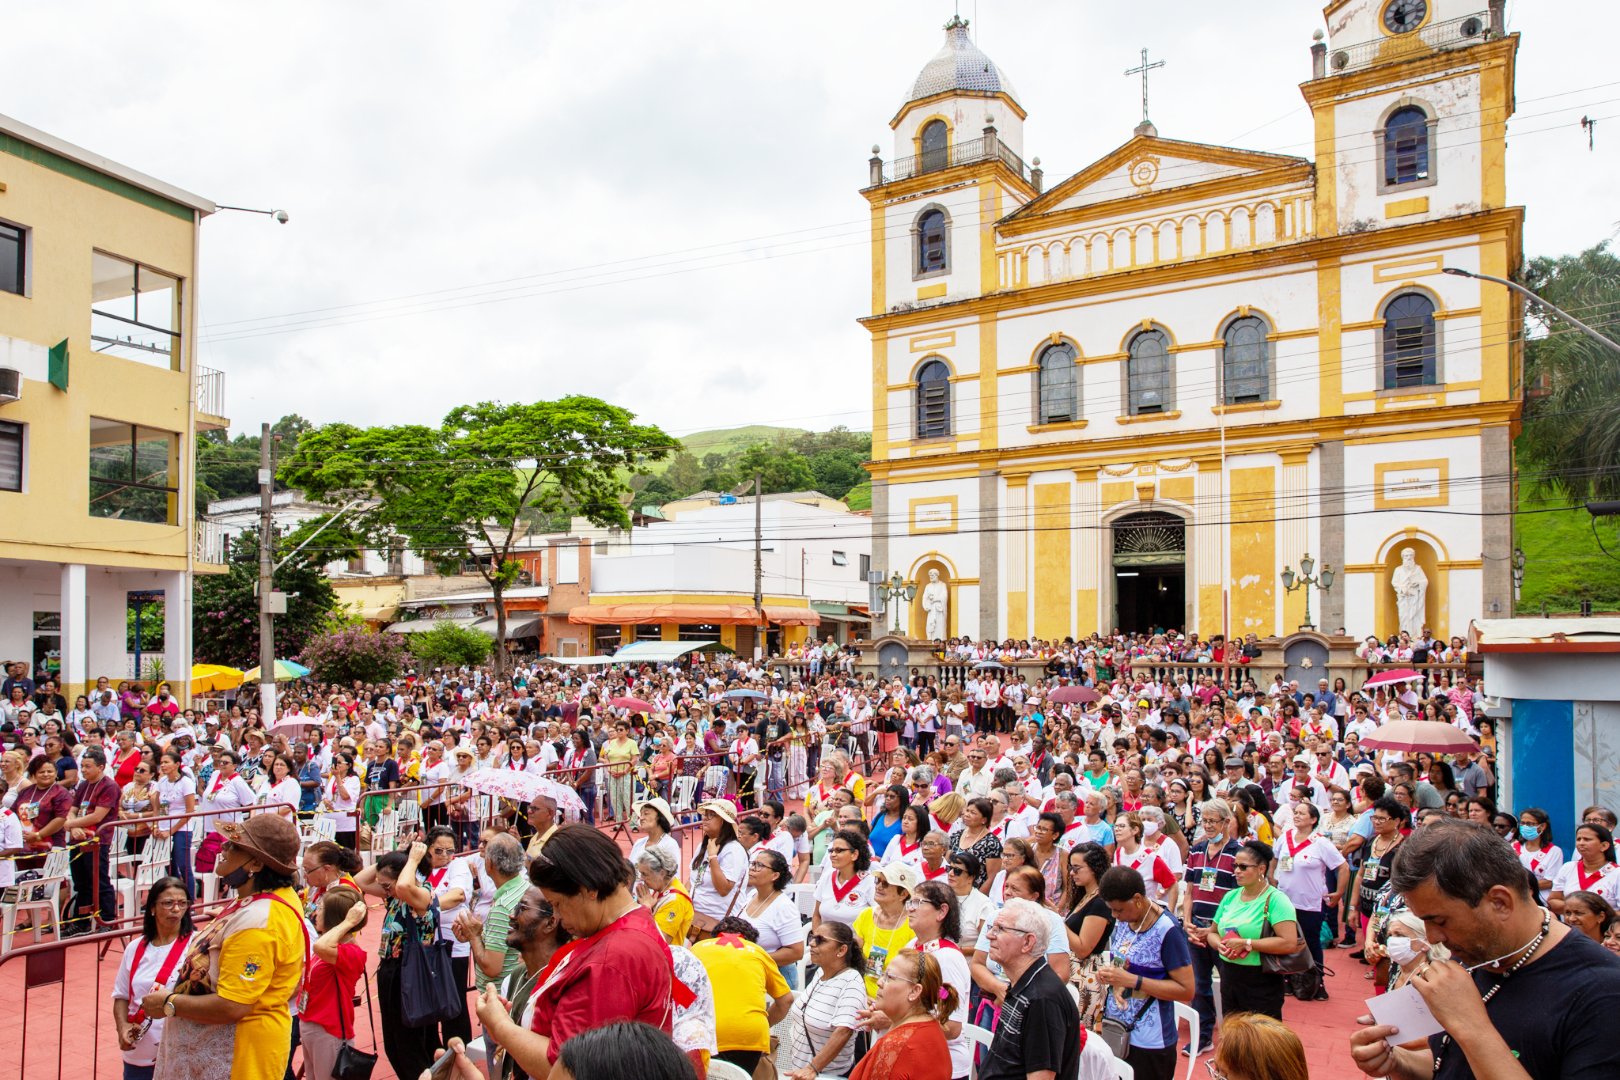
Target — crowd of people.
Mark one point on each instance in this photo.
(819, 873)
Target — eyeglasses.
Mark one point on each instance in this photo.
(759, 866)
(1215, 1074)
(957, 871)
(996, 930)
(840, 851)
(885, 978)
(816, 939)
(1236, 866)
(174, 905)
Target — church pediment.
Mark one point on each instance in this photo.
(1149, 165)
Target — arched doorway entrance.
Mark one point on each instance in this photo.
(1150, 571)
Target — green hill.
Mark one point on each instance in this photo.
(730, 440)
(1563, 563)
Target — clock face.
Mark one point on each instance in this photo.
(1404, 16)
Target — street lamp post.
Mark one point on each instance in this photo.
(1305, 580)
(894, 590)
(1522, 291)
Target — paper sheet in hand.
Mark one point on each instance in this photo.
(1407, 1012)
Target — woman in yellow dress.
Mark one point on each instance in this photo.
(662, 893)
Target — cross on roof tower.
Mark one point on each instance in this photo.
(1146, 126)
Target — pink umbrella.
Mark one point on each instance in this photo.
(631, 703)
(290, 722)
(1433, 736)
(523, 787)
(1073, 695)
(1389, 678)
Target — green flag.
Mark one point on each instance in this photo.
(57, 373)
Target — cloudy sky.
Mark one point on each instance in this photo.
(653, 203)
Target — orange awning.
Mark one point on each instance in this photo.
(714, 614)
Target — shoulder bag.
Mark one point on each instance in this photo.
(1294, 963)
(427, 980)
(1116, 1033)
(352, 1063)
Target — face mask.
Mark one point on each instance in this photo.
(1529, 832)
(236, 878)
(1150, 828)
(1402, 950)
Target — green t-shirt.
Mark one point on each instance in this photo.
(1244, 917)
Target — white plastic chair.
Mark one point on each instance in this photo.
(1123, 1071)
(1186, 1014)
(153, 865)
(982, 1037)
(118, 857)
(385, 834)
(725, 1070)
(804, 894)
(42, 895)
(685, 790)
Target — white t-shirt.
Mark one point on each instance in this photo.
(344, 797)
(1544, 863)
(171, 799)
(666, 843)
(145, 980)
(778, 924)
(11, 839)
(287, 791)
(458, 875)
(855, 901)
(1300, 869)
(1567, 880)
(706, 900)
(974, 908)
(953, 968)
(896, 852)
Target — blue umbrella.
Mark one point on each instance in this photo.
(752, 695)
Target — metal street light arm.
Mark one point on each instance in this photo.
(344, 509)
(1554, 308)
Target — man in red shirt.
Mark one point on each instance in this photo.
(617, 968)
(95, 808)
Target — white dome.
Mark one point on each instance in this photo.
(960, 65)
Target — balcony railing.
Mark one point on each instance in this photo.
(210, 391)
(967, 152)
(1452, 34)
(208, 542)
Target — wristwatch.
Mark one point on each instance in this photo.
(168, 1005)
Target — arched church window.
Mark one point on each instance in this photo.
(936, 149)
(1245, 362)
(1058, 384)
(1410, 356)
(934, 400)
(1406, 146)
(933, 254)
(1147, 374)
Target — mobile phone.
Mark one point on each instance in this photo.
(445, 1066)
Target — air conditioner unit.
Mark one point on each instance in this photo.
(10, 385)
(525, 578)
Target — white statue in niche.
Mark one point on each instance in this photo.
(1411, 586)
(935, 597)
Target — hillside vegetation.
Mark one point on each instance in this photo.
(786, 459)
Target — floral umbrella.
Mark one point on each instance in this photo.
(524, 787)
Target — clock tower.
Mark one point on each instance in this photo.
(1411, 100)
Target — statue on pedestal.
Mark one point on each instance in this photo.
(935, 598)
(1411, 586)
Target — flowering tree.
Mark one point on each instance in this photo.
(225, 608)
(354, 653)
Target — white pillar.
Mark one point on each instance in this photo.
(177, 630)
(75, 630)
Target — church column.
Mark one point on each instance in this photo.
(1293, 507)
(1016, 546)
(1208, 570)
(989, 560)
(881, 527)
(1496, 526)
(1330, 484)
(1088, 549)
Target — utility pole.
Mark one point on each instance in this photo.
(759, 568)
(267, 627)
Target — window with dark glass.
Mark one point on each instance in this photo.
(132, 472)
(11, 456)
(935, 146)
(1409, 344)
(1406, 146)
(933, 400)
(1246, 362)
(931, 253)
(13, 258)
(1058, 377)
(1147, 373)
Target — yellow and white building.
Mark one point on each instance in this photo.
(1130, 398)
(101, 398)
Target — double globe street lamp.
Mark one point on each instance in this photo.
(893, 590)
(1305, 580)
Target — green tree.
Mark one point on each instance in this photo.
(780, 469)
(684, 475)
(229, 468)
(449, 645)
(355, 653)
(1570, 443)
(457, 492)
(225, 607)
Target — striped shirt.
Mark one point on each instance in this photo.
(1209, 878)
(497, 924)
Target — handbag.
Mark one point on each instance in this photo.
(427, 980)
(1116, 1034)
(352, 1063)
(1294, 963)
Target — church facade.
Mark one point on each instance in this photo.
(1129, 398)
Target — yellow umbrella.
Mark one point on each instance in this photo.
(206, 678)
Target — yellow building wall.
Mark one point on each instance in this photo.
(68, 219)
(1254, 551)
(1053, 573)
